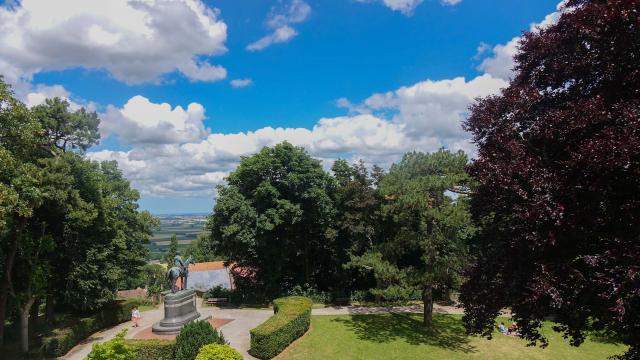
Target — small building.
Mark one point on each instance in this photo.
(206, 275)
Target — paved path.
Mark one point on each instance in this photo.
(237, 331)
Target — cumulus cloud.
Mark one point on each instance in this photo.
(174, 155)
(135, 41)
(406, 7)
(240, 83)
(500, 62)
(280, 21)
(435, 108)
(140, 121)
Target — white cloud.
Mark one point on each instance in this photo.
(135, 41)
(500, 64)
(406, 7)
(280, 22)
(38, 94)
(240, 83)
(140, 121)
(174, 155)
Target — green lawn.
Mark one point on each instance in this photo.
(392, 336)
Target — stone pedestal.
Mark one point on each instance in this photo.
(179, 309)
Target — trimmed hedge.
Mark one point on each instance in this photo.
(193, 336)
(218, 352)
(62, 340)
(291, 319)
(153, 349)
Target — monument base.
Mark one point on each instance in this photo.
(179, 309)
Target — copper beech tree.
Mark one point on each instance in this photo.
(559, 181)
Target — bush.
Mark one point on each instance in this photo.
(218, 352)
(62, 340)
(217, 292)
(153, 349)
(291, 319)
(361, 296)
(193, 336)
(114, 349)
(309, 291)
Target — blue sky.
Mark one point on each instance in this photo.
(382, 79)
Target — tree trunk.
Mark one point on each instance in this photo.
(12, 248)
(49, 308)
(427, 298)
(24, 324)
(35, 314)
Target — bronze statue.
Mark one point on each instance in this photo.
(180, 269)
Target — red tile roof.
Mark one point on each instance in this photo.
(206, 266)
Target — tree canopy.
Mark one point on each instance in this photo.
(273, 214)
(70, 228)
(558, 171)
(423, 245)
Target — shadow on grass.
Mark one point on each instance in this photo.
(447, 332)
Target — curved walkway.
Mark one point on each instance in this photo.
(237, 331)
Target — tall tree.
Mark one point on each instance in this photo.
(70, 227)
(424, 245)
(558, 170)
(172, 251)
(65, 129)
(20, 141)
(357, 203)
(273, 215)
(200, 249)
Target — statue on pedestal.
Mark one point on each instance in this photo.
(180, 304)
(180, 269)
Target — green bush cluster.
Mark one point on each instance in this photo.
(218, 291)
(218, 352)
(62, 340)
(291, 319)
(114, 349)
(153, 349)
(193, 336)
(311, 292)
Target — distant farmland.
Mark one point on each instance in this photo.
(185, 227)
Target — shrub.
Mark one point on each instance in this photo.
(218, 292)
(193, 336)
(114, 349)
(291, 319)
(153, 349)
(218, 352)
(311, 292)
(62, 340)
(361, 296)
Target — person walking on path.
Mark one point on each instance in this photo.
(135, 316)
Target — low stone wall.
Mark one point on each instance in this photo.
(134, 293)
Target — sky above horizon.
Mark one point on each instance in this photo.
(185, 88)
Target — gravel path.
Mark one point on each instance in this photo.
(237, 331)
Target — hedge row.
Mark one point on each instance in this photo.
(62, 340)
(291, 319)
(153, 349)
(218, 352)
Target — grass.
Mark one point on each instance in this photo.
(400, 336)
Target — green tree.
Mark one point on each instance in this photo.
(273, 216)
(200, 249)
(172, 251)
(70, 228)
(20, 144)
(357, 203)
(65, 129)
(424, 244)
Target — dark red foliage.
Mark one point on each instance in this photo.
(559, 180)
